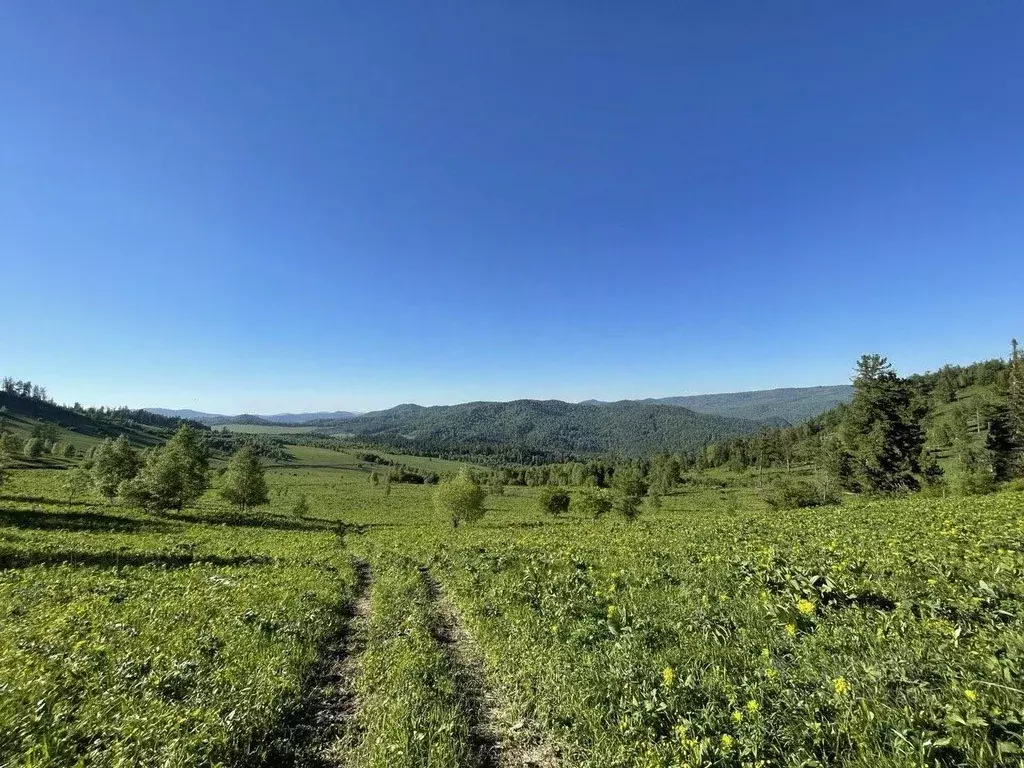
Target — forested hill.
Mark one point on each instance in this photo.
(792, 405)
(552, 430)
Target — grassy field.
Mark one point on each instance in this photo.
(266, 429)
(712, 632)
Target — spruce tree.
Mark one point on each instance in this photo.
(881, 432)
(1015, 395)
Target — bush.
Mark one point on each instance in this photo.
(794, 493)
(974, 482)
(461, 498)
(554, 501)
(593, 502)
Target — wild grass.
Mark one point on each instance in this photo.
(712, 631)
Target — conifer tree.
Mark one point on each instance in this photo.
(1015, 395)
(881, 432)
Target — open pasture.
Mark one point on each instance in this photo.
(712, 632)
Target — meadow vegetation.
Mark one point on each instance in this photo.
(172, 605)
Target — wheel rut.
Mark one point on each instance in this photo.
(497, 739)
(327, 729)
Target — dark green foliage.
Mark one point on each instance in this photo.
(792, 406)
(1001, 447)
(881, 432)
(554, 501)
(1015, 396)
(534, 431)
(301, 507)
(244, 484)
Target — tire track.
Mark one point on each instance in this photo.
(327, 730)
(497, 739)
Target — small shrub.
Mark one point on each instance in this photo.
(794, 493)
(555, 501)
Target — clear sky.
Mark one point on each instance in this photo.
(267, 206)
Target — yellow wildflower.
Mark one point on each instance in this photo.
(668, 675)
(737, 716)
(970, 695)
(806, 607)
(840, 685)
(726, 741)
(753, 706)
(791, 630)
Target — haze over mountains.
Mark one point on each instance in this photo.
(218, 419)
(793, 404)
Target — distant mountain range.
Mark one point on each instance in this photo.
(793, 405)
(217, 419)
(554, 430)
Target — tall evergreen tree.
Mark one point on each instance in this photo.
(1015, 395)
(881, 432)
(999, 446)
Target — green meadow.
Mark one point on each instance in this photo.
(366, 631)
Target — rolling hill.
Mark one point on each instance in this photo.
(543, 429)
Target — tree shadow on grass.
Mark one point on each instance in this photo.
(117, 559)
(25, 499)
(251, 521)
(75, 521)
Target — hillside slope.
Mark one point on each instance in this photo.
(549, 429)
(794, 405)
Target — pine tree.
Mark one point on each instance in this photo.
(881, 432)
(1015, 395)
(999, 446)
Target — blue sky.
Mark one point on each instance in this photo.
(240, 206)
